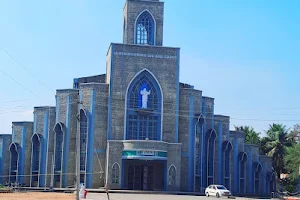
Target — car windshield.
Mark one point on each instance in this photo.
(221, 187)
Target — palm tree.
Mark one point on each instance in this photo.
(292, 161)
(275, 145)
(251, 137)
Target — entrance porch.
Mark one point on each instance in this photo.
(147, 175)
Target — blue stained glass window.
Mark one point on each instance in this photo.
(145, 29)
(142, 125)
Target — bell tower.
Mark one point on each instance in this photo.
(143, 22)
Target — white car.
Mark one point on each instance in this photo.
(217, 190)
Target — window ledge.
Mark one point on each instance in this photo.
(145, 111)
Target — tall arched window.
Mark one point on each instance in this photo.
(14, 157)
(172, 176)
(59, 138)
(257, 170)
(35, 159)
(36, 148)
(227, 147)
(272, 182)
(211, 145)
(242, 172)
(144, 100)
(145, 29)
(116, 173)
(83, 142)
(199, 135)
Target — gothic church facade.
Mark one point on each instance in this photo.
(140, 127)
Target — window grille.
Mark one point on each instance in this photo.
(141, 126)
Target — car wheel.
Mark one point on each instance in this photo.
(217, 195)
(207, 194)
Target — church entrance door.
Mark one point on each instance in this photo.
(139, 175)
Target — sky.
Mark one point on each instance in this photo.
(245, 54)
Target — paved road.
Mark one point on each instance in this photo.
(114, 196)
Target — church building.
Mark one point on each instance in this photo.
(140, 127)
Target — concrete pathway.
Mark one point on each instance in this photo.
(118, 196)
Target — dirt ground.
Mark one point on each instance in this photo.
(37, 196)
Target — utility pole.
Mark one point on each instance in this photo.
(78, 151)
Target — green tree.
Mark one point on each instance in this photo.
(292, 161)
(251, 137)
(275, 145)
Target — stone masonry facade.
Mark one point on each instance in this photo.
(140, 128)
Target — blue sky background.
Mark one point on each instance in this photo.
(245, 54)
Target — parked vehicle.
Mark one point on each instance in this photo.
(217, 191)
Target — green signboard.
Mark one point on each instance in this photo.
(147, 153)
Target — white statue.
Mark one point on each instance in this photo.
(145, 95)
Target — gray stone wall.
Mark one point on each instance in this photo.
(98, 117)
(221, 126)
(5, 141)
(114, 155)
(39, 128)
(189, 99)
(184, 110)
(133, 9)
(128, 60)
(255, 153)
(240, 137)
(208, 102)
(174, 158)
(51, 124)
(67, 115)
(89, 79)
(18, 137)
(225, 121)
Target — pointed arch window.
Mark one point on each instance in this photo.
(36, 149)
(227, 148)
(172, 176)
(272, 182)
(144, 118)
(199, 142)
(115, 173)
(257, 170)
(211, 146)
(145, 29)
(83, 143)
(14, 158)
(242, 172)
(59, 138)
